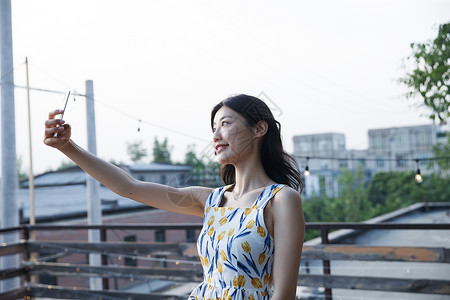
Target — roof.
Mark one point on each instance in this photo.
(158, 167)
(75, 175)
(70, 200)
(62, 194)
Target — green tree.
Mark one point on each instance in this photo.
(136, 151)
(389, 191)
(205, 171)
(161, 151)
(352, 204)
(443, 151)
(190, 157)
(430, 77)
(65, 164)
(20, 172)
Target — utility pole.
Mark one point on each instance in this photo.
(30, 152)
(94, 212)
(9, 214)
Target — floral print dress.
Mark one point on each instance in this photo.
(236, 250)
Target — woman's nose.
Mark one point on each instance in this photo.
(216, 135)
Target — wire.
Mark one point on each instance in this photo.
(10, 71)
(49, 91)
(119, 111)
(140, 120)
(370, 159)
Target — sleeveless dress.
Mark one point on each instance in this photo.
(236, 250)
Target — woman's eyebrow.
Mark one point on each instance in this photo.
(223, 117)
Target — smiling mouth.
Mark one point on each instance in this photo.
(220, 148)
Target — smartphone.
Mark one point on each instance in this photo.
(66, 99)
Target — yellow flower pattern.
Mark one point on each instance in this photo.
(221, 235)
(236, 250)
(223, 221)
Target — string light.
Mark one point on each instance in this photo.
(139, 129)
(418, 176)
(307, 167)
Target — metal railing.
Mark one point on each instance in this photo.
(181, 264)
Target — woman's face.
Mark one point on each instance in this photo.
(233, 139)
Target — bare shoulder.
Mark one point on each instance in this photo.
(288, 213)
(287, 205)
(287, 198)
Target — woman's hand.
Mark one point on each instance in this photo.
(57, 133)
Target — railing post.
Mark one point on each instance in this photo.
(103, 238)
(26, 254)
(326, 263)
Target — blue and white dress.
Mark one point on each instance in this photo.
(236, 250)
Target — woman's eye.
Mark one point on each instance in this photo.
(224, 123)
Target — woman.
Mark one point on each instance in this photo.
(253, 228)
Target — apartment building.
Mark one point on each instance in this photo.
(389, 149)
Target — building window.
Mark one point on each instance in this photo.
(400, 140)
(324, 164)
(304, 146)
(378, 141)
(361, 162)
(323, 145)
(130, 261)
(162, 179)
(343, 163)
(422, 138)
(379, 162)
(190, 235)
(401, 162)
(160, 236)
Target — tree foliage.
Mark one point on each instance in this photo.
(386, 192)
(136, 151)
(430, 77)
(20, 172)
(443, 152)
(161, 151)
(65, 164)
(205, 172)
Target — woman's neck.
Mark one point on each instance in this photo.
(250, 175)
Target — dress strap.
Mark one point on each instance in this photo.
(268, 194)
(216, 196)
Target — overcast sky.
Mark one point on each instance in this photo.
(327, 66)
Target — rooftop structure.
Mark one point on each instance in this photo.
(62, 194)
(389, 149)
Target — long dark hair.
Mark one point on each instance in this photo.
(279, 165)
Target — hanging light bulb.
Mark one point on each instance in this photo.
(307, 168)
(418, 176)
(139, 130)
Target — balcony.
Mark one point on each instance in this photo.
(59, 269)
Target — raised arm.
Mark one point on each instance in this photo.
(189, 200)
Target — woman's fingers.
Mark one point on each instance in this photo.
(53, 122)
(51, 141)
(56, 133)
(50, 131)
(54, 113)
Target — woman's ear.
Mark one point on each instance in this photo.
(261, 128)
